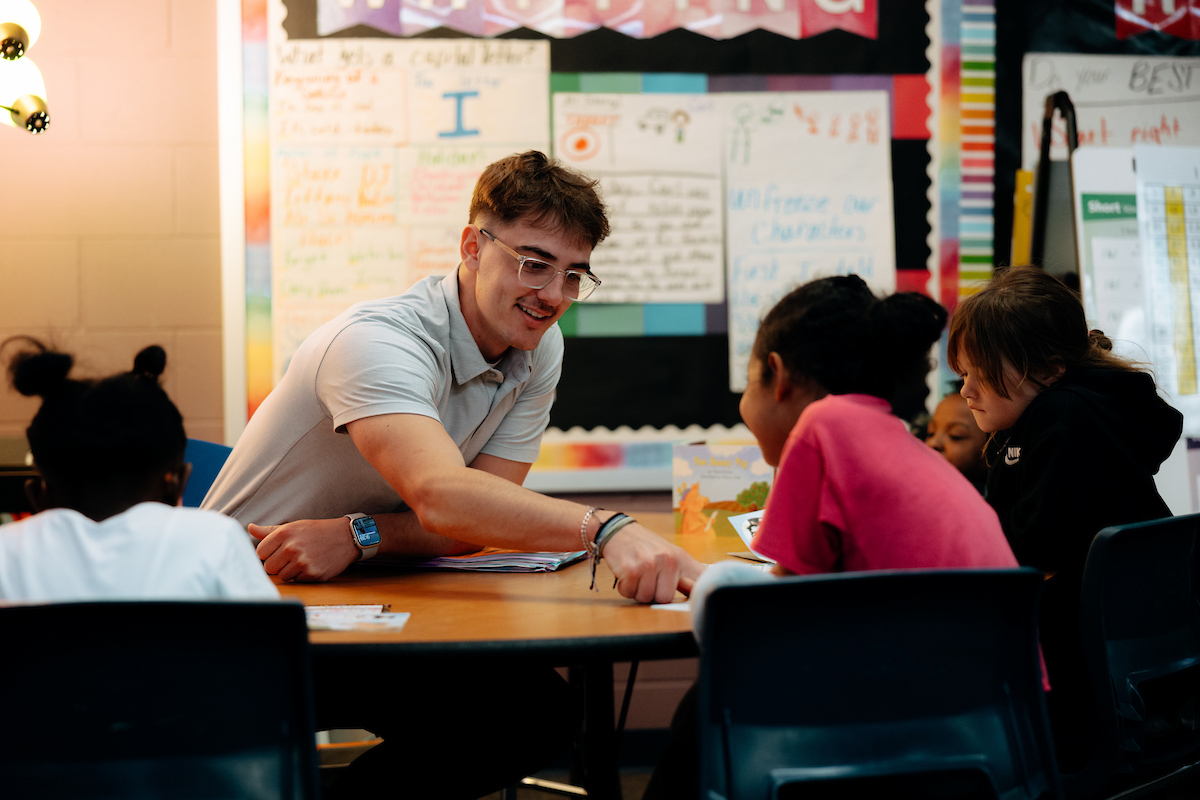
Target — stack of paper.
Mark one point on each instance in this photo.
(354, 617)
(495, 559)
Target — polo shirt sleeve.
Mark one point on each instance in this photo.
(519, 435)
(373, 368)
(796, 529)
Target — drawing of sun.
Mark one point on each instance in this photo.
(579, 144)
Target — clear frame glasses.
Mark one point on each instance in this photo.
(578, 284)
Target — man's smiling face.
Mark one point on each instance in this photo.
(500, 311)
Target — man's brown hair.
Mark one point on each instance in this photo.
(542, 191)
(1031, 320)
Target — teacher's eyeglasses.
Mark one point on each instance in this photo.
(577, 284)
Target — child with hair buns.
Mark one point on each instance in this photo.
(854, 489)
(110, 455)
(1077, 436)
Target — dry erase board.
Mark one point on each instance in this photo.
(656, 360)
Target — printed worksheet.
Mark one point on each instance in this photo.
(1168, 181)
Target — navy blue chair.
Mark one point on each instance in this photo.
(921, 684)
(206, 459)
(156, 699)
(1140, 634)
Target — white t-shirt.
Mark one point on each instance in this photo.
(150, 552)
(409, 354)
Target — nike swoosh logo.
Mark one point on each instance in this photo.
(1010, 461)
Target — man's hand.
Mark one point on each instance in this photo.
(648, 568)
(307, 549)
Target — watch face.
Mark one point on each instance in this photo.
(365, 532)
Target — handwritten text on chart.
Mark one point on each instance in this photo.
(1119, 101)
(315, 105)
(325, 188)
(808, 195)
(666, 239)
(761, 280)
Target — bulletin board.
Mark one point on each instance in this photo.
(659, 357)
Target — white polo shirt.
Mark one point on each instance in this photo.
(152, 551)
(409, 354)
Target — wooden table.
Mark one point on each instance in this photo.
(543, 618)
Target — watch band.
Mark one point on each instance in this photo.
(363, 552)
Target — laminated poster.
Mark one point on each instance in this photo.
(808, 194)
(375, 148)
(657, 157)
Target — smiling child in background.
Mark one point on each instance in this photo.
(953, 433)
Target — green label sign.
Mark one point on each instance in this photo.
(1109, 206)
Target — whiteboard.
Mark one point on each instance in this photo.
(1120, 101)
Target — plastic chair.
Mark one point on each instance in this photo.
(1140, 634)
(206, 459)
(156, 699)
(922, 684)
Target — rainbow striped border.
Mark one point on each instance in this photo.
(977, 143)
(257, 144)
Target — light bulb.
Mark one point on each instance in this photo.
(23, 93)
(20, 26)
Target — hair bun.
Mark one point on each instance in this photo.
(151, 361)
(1096, 338)
(910, 317)
(42, 373)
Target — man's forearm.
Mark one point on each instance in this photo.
(401, 535)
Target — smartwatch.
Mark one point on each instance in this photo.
(365, 535)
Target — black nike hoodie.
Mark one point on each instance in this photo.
(1082, 457)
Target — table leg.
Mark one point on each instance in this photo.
(602, 776)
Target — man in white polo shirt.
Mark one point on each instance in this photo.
(418, 416)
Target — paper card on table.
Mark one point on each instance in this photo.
(354, 617)
(808, 188)
(680, 606)
(657, 157)
(746, 525)
(711, 482)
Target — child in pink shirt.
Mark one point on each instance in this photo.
(854, 489)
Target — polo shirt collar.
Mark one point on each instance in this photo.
(465, 359)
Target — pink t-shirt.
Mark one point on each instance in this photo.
(855, 490)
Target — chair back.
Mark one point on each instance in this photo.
(875, 684)
(206, 459)
(156, 699)
(1140, 634)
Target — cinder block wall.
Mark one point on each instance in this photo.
(109, 220)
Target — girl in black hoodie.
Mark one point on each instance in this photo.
(1077, 434)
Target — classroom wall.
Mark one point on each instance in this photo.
(109, 220)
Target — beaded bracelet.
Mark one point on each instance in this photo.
(591, 549)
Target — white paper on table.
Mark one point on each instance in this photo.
(354, 617)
